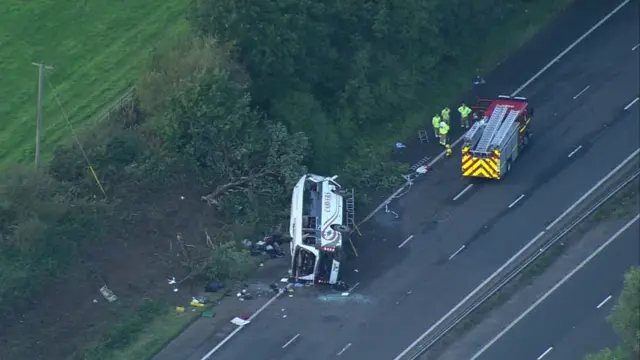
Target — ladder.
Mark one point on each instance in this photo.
(351, 210)
(491, 128)
(470, 135)
(504, 129)
(423, 136)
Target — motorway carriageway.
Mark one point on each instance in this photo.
(569, 321)
(387, 311)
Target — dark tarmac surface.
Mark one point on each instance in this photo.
(400, 292)
(569, 322)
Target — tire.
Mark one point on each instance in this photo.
(341, 228)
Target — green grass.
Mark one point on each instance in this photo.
(623, 205)
(141, 335)
(96, 48)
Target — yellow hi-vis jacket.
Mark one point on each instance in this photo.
(436, 121)
(444, 128)
(445, 113)
(464, 111)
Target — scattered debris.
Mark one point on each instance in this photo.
(239, 321)
(213, 287)
(198, 301)
(95, 301)
(284, 280)
(179, 309)
(108, 294)
(400, 145)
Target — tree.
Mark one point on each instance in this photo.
(625, 316)
(625, 319)
(208, 123)
(608, 354)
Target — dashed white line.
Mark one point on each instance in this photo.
(594, 188)
(290, 341)
(462, 192)
(603, 302)
(635, 47)
(555, 287)
(581, 92)
(545, 352)
(406, 241)
(457, 252)
(631, 103)
(516, 201)
(574, 151)
(344, 349)
(354, 286)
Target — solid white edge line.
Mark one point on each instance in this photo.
(436, 159)
(574, 151)
(516, 201)
(516, 92)
(462, 192)
(574, 44)
(406, 241)
(290, 341)
(469, 296)
(635, 47)
(545, 352)
(234, 332)
(594, 188)
(631, 103)
(581, 92)
(344, 349)
(556, 286)
(603, 302)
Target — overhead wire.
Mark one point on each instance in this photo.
(75, 137)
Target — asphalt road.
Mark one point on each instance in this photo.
(571, 321)
(402, 291)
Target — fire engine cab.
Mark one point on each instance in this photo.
(496, 139)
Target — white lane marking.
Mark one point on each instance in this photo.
(545, 352)
(406, 241)
(574, 151)
(556, 286)
(469, 296)
(516, 201)
(457, 252)
(512, 259)
(594, 188)
(603, 302)
(581, 92)
(354, 286)
(516, 92)
(344, 349)
(290, 341)
(462, 192)
(635, 47)
(631, 103)
(574, 44)
(234, 332)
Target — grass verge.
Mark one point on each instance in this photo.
(622, 205)
(96, 48)
(150, 337)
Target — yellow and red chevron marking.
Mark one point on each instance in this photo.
(480, 167)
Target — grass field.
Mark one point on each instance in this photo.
(95, 47)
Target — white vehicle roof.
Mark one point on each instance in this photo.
(326, 207)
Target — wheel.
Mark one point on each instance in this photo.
(341, 228)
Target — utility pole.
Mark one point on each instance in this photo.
(41, 68)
